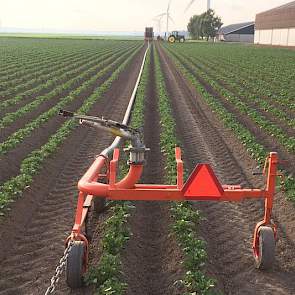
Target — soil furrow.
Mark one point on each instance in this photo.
(60, 174)
(29, 96)
(272, 101)
(270, 143)
(52, 98)
(12, 160)
(150, 259)
(228, 227)
(252, 104)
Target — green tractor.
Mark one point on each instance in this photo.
(175, 36)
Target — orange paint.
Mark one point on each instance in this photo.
(202, 185)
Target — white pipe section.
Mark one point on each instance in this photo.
(118, 139)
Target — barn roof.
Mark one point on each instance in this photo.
(234, 27)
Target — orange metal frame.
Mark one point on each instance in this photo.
(202, 185)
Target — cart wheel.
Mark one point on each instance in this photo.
(99, 204)
(75, 265)
(265, 257)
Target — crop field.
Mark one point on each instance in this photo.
(227, 105)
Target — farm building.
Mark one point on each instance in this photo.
(276, 26)
(242, 32)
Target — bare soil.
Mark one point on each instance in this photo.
(33, 233)
(273, 119)
(228, 227)
(11, 161)
(151, 258)
(270, 143)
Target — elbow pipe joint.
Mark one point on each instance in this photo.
(89, 185)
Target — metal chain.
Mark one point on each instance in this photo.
(59, 269)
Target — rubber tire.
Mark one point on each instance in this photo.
(171, 39)
(99, 204)
(181, 40)
(267, 244)
(74, 267)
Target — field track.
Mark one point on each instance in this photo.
(33, 231)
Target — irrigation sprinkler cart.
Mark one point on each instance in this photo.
(202, 185)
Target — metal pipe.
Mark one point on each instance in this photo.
(106, 152)
(89, 185)
(131, 178)
(118, 132)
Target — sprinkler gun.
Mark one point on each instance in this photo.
(137, 148)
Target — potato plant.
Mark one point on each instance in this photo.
(107, 275)
(230, 120)
(12, 188)
(185, 217)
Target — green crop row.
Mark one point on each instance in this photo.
(39, 56)
(52, 80)
(275, 80)
(31, 165)
(17, 137)
(22, 72)
(260, 120)
(107, 275)
(53, 75)
(186, 218)
(14, 65)
(15, 87)
(17, 52)
(256, 150)
(281, 96)
(19, 84)
(249, 92)
(89, 69)
(270, 71)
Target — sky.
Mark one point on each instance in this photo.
(119, 15)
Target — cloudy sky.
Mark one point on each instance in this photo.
(119, 15)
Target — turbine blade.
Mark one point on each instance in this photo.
(171, 18)
(189, 5)
(169, 3)
(161, 15)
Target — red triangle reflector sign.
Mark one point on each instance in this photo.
(202, 184)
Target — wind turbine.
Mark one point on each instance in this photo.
(158, 20)
(192, 1)
(167, 18)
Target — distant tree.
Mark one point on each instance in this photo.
(205, 25)
(211, 24)
(194, 26)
